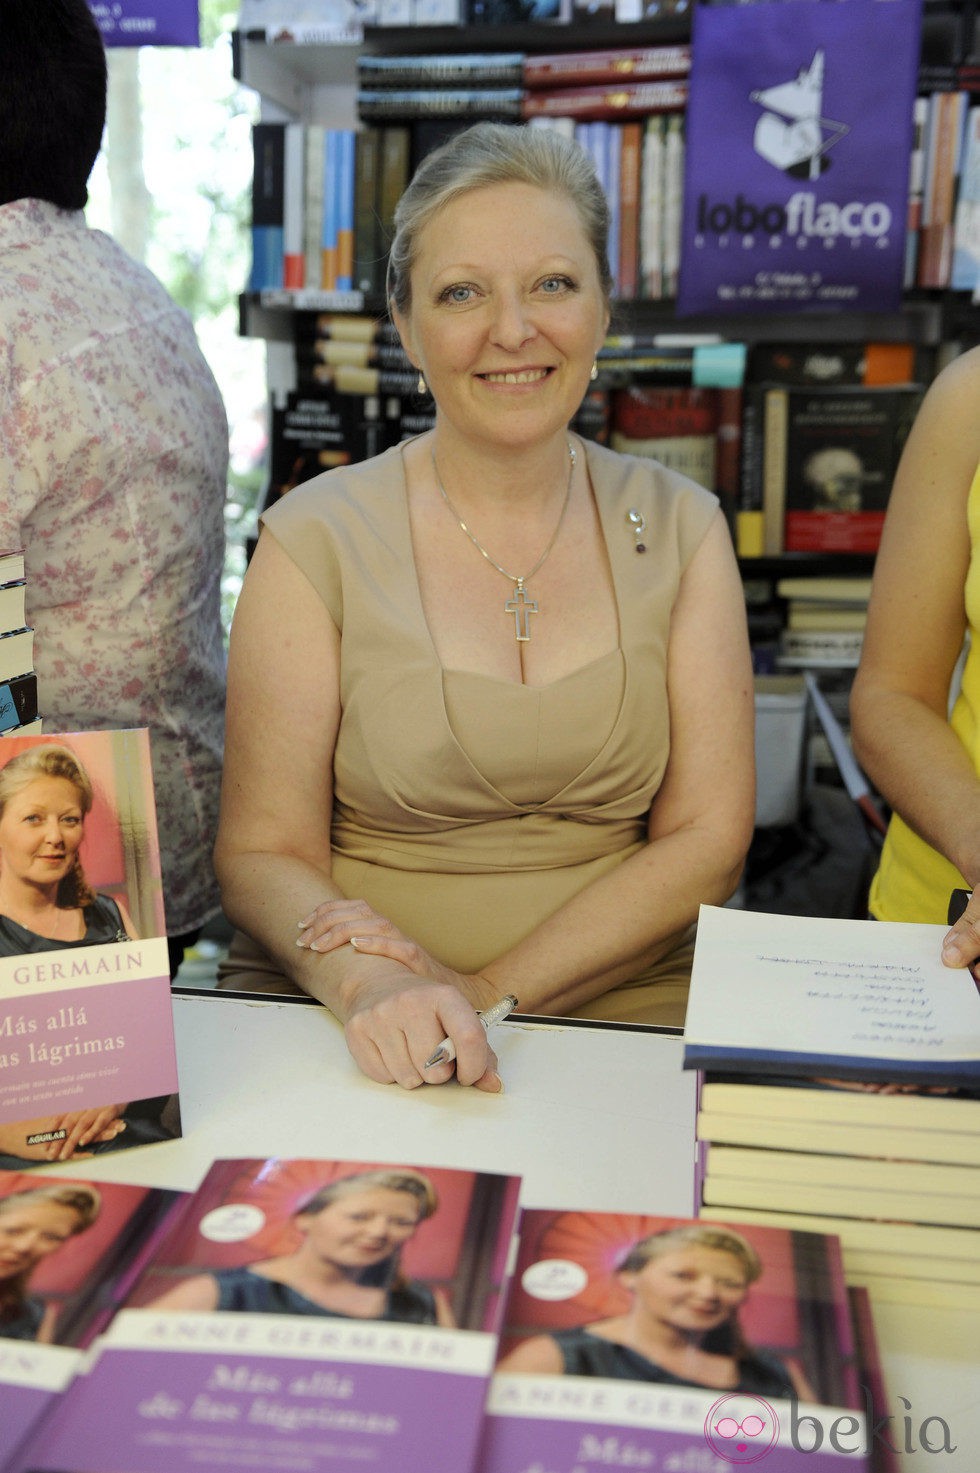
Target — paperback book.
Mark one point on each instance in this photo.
(804, 995)
(304, 1315)
(590, 1370)
(68, 1250)
(87, 1060)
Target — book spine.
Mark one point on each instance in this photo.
(462, 102)
(965, 271)
(612, 143)
(331, 210)
(651, 210)
(368, 251)
(673, 201)
(313, 205)
(728, 454)
(630, 165)
(749, 520)
(478, 69)
(591, 68)
(606, 102)
(395, 154)
(294, 199)
(345, 209)
(920, 114)
(268, 146)
(775, 427)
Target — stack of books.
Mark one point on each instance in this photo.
(18, 680)
(841, 1093)
(825, 621)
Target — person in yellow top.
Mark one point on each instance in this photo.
(915, 717)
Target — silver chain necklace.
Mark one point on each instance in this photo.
(522, 605)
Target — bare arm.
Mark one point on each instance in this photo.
(699, 828)
(273, 852)
(916, 626)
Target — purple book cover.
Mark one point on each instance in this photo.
(69, 1253)
(302, 1315)
(796, 168)
(87, 1057)
(651, 1342)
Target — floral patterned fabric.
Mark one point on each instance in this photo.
(113, 461)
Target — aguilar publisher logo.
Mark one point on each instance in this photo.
(741, 1428)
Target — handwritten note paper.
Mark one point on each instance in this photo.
(802, 994)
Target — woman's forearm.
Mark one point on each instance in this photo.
(267, 895)
(918, 764)
(620, 924)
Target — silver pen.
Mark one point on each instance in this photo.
(446, 1051)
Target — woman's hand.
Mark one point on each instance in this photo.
(961, 944)
(83, 1127)
(394, 1023)
(86, 1128)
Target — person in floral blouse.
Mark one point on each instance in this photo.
(113, 454)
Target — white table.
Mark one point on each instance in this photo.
(593, 1116)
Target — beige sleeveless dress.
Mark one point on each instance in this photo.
(469, 808)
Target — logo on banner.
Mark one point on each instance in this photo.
(791, 134)
(796, 161)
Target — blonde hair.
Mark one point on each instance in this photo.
(84, 1201)
(497, 153)
(694, 1235)
(387, 1273)
(50, 759)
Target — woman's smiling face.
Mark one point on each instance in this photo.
(507, 312)
(30, 1231)
(40, 831)
(361, 1228)
(692, 1289)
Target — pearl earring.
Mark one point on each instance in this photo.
(423, 386)
(595, 370)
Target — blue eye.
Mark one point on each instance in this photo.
(458, 294)
(552, 286)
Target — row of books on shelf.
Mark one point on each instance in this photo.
(323, 200)
(943, 237)
(322, 22)
(18, 681)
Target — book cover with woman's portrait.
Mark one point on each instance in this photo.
(69, 1252)
(87, 1059)
(304, 1314)
(655, 1342)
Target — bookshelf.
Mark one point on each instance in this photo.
(317, 83)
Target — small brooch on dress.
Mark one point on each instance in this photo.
(638, 522)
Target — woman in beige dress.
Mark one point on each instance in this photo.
(490, 703)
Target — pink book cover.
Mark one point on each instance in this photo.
(69, 1252)
(303, 1315)
(87, 1058)
(652, 1342)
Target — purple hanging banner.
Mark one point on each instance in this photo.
(148, 22)
(799, 129)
